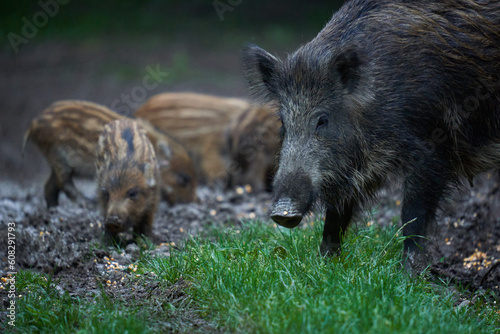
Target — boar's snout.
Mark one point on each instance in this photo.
(294, 196)
(286, 214)
(114, 224)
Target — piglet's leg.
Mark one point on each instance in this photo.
(74, 194)
(62, 176)
(52, 190)
(71, 191)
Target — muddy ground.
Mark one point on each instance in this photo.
(66, 241)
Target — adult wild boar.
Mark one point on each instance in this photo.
(406, 88)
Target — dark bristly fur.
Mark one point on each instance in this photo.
(410, 88)
(127, 176)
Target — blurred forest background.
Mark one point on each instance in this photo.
(102, 51)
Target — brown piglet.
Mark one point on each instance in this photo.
(254, 143)
(198, 121)
(128, 178)
(67, 132)
(229, 143)
(177, 170)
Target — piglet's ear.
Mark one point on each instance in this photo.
(165, 150)
(260, 69)
(163, 154)
(347, 67)
(149, 174)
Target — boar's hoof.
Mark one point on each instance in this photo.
(416, 262)
(330, 249)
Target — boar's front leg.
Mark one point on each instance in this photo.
(336, 222)
(422, 193)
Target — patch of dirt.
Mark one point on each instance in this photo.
(60, 238)
(467, 242)
(67, 243)
(67, 240)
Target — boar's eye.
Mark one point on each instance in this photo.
(322, 123)
(132, 193)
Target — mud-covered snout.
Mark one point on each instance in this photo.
(115, 224)
(286, 214)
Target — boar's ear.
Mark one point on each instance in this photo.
(347, 66)
(260, 69)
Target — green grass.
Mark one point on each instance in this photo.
(261, 279)
(44, 309)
